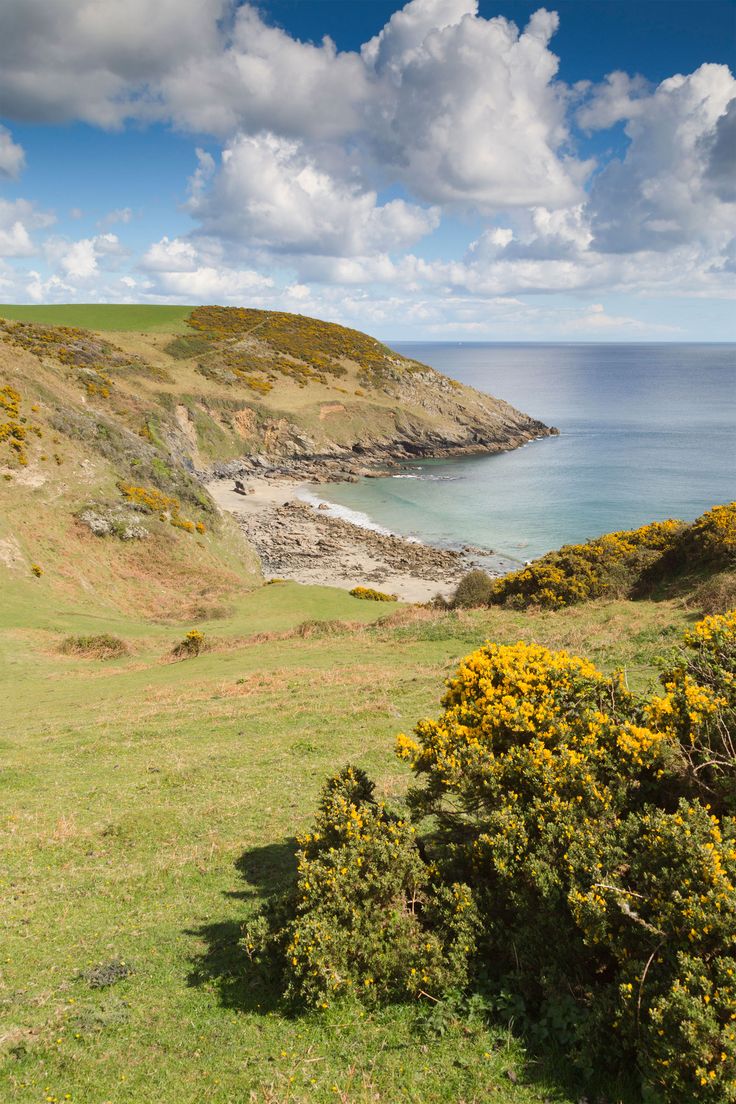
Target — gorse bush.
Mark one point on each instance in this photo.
(192, 644)
(365, 917)
(569, 843)
(303, 348)
(606, 567)
(96, 646)
(14, 426)
(716, 594)
(623, 564)
(152, 501)
(371, 595)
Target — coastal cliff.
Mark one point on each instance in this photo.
(113, 438)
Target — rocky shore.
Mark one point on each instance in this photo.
(297, 540)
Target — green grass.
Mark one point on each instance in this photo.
(148, 806)
(103, 316)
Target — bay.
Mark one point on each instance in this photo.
(647, 432)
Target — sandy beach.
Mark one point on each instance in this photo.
(304, 542)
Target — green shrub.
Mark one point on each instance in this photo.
(99, 646)
(609, 566)
(716, 594)
(193, 643)
(596, 833)
(474, 589)
(364, 917)
(570, 843)
(371, 595)
(624, 564)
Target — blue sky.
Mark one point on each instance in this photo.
(445, 169)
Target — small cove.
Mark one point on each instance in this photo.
(646, 432)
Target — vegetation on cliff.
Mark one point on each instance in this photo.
(627, 563)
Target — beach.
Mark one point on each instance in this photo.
(301, 539)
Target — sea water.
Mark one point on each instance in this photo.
(647, 432)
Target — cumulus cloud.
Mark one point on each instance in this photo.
(720, 172)
(463, 109)
(471, 113)
(170, 255)
(198, 273)
(618, 97)
(18, 219)
(260, 78)
(210, 284)
(12, 156)
(98, 60)
(83, 259)
(269, 192)
(658, 196)
(332, 167)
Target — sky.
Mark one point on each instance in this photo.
(442, 170)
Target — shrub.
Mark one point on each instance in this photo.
(14, 426)
(371, 595)
(698, 709)
(609, 566)
(193, 643)
(590, 837)
(596, 834)
(624, 564)
(99, 646)
(711, 540)
(474, 589)
(364, 917)
(717, 594)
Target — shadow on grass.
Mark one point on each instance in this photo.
(243, 984)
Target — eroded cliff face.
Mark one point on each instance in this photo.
(262, 387)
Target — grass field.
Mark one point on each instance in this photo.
(138, 317)
(149, 805)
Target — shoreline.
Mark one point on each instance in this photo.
(302, 539)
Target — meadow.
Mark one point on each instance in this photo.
(149, 806)
(123, 317)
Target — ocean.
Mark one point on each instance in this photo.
(647, 432)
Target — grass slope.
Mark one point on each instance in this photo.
(122, 317)
(149, 805)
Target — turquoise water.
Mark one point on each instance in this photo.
(646, 432)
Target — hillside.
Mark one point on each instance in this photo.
(106, 438)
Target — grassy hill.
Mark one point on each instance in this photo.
(149, 805)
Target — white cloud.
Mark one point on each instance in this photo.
(595, 320)
(270, 193)
(334, 165)
(51, 290)
(82, 259)
(18, 218)
(259, 78)
(98, 60)
(618, 97)
(12, 156)
(208, 283)
(169, 255)
(119, 215)
(659, 196)
(470, 114)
